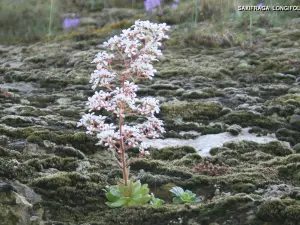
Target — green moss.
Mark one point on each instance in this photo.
(171, 153)
(256, 155)
(67, 192)
(166, 93)
(246, 118)
(229, 207)
(65, 164)
(243, 187)
(148, 215)
(191, 110)
(78, 140)
(31, 113)
(230, 155)
(290, 172)
(216, 150)
(236, 181)
(53, 82)
(10, 214)
(17, 121)
(13, 169)
(160, 167)
(291, 136)
(196, 95)
(69, 113)
(59, 180)
(80, 81)
(293, 99)
(42, 101)
(232, 208)
(9, 153)
(274, 148)
(271, 211)
(294, 158)
(16, 133)
(291, 215)
(286, 211)
(188, 160)
(172, 72)
(170, 124)
(65, 151)
(146, 92)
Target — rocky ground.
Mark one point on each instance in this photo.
(51, 172)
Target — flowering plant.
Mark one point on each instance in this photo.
(69, 23)
(136, 47)
(152, 4)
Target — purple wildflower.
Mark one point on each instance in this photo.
(175, 4)
(70, 23)
(261, 4)
(150, 4)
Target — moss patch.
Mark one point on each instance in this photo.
(191, 111)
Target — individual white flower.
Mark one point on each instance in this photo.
(102, 77)
(143, 146)
(148, 106)
(144, 69)
(113, 43)
(94, 123)
(101, 100)
(151, 127)
(106, 137)
(103, 58)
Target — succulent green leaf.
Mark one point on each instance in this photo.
(156, 201)
(177, 191)
(177, 200)
(113, 195)
(182, 196)
(120, 202)
(132, 194)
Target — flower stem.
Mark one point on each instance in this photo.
(50, 19)
(125, 174)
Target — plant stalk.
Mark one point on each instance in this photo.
(125, 174)
(251, 41)
(196, 12)
(50, 18)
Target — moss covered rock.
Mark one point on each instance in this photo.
(191, 111)
(171, 153)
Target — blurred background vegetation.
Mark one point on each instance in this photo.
(23, 21)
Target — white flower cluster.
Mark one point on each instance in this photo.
(137, 46)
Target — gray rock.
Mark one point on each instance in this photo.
(27, 192)
(5, 187)
(279, 191)
(295, 121)
(34, 149)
